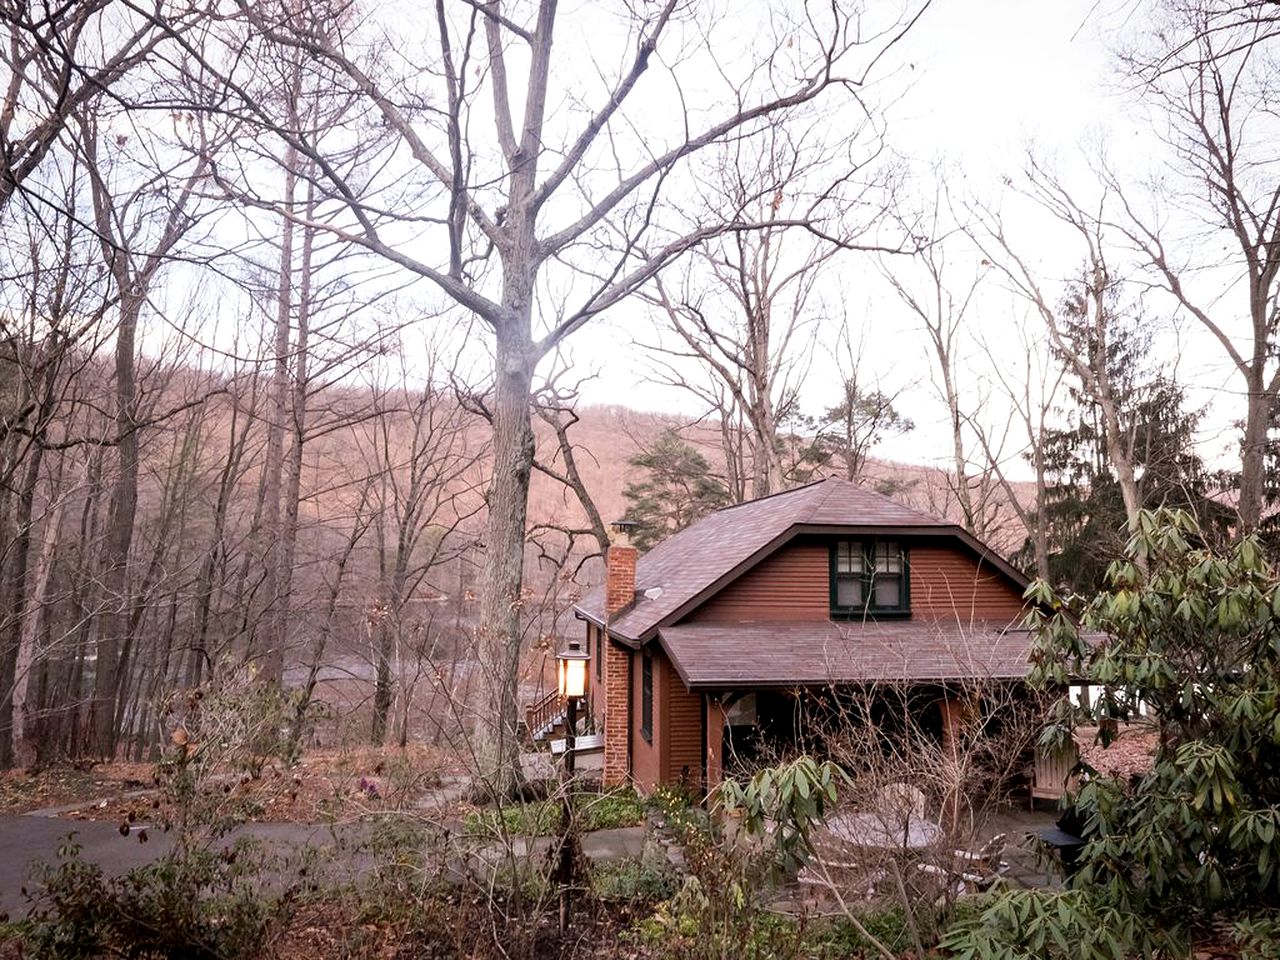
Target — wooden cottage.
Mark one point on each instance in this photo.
(826, 585)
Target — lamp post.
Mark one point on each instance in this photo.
(571, 682)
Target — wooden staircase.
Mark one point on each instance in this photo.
(544, 717)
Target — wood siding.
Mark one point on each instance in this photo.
(646, 755)
(790, 585)
(596, 692)
(948, 583)
(676, 746)
(683, 729)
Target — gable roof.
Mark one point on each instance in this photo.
(683, 569)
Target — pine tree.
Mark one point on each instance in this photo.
(1084, 507)
(678, 489)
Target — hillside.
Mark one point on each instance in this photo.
(607, 437)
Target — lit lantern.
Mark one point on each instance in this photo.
(571, 671)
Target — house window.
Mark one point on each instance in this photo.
(646, 696)
(869, 578)
(598, 635)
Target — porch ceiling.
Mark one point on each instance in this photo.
(737, 655)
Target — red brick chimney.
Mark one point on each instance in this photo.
(620, 593)
(619, 576)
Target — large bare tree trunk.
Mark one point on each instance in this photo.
(33, 624)
(268, 649)
(1258, 411)
(15, 593)
(121, 513)
(502, 573)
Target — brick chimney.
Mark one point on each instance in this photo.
(620, 592)
(619, 573)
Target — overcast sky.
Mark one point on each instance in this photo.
(984, 79)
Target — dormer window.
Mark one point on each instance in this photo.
(868, 579)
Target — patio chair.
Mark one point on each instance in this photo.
(899, 801)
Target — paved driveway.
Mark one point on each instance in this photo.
(27, 839)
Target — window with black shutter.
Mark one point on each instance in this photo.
(646, 696)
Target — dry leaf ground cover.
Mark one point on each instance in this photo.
(323, 786)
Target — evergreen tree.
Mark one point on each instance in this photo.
(678, 489)
(1084, 508)
(843, 437)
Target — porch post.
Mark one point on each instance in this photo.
(713, 732)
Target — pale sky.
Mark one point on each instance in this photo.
(983, 80)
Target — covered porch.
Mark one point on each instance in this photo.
(769, 690)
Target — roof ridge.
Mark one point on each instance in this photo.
(814, 507)
(772, 496)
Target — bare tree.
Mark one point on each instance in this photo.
(748, 309)
(862, 416)
(133, 255)
(422, 474)
(1031, 395)
(942, 308)
(509, 201)
(1212, 73)
(1083, 323)
(62, 58)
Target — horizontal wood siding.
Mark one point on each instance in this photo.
(646, 755)
(948, 583)
(684, 730)
(790, 585)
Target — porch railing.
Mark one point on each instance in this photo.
(541, 715)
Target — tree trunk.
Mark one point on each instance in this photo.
(1253, 451)
(384, 648)
(502, 573)
(1119, 455)
(33, 624)
(198, 659)
(767, 463)
(957, 444)
(269, 650)
(1040, 533)
(19, 553)
(121, 514)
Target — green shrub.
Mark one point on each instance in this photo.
(630, 879)
(1070, 924)
(1193, 638)
(593, 811)
(687, 926)
(608, 811)
(1258, 937)
(784, 803)
(200, 904)
(840, 938)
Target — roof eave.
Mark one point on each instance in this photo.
(740, 683)
(632, 642)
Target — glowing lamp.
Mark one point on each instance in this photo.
(571, 670)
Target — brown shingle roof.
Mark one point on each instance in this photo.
(687, 564)
(725, 655)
